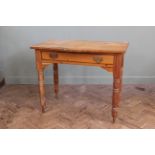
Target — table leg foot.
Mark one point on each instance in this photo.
(42, 109)
(114, 120)
(114, 115)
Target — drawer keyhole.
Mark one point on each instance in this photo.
(97, 59)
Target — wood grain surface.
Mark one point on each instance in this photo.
(84, 46)
(76, 57)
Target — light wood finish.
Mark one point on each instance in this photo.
(40, 69)
(117, 83)
(105, 66)
(83, 46)
(107, 55)
(73, 57)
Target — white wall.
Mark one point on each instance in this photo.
(17, 59)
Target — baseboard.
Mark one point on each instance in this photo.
(81, 80)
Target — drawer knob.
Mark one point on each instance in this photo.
(97, 59)
(54, 55)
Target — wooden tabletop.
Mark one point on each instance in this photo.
(83, 46)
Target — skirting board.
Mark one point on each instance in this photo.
(81, 80)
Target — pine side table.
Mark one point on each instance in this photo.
(107, 55)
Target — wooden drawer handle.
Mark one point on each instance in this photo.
(97, 59)
(53, 55)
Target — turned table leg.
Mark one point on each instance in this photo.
(40, 69)
(42, 90)
(55, 79)
(117, 84)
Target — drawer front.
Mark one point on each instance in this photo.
(83, 58)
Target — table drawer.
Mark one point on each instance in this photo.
(72, 57)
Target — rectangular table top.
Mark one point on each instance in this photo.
(82, 46)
